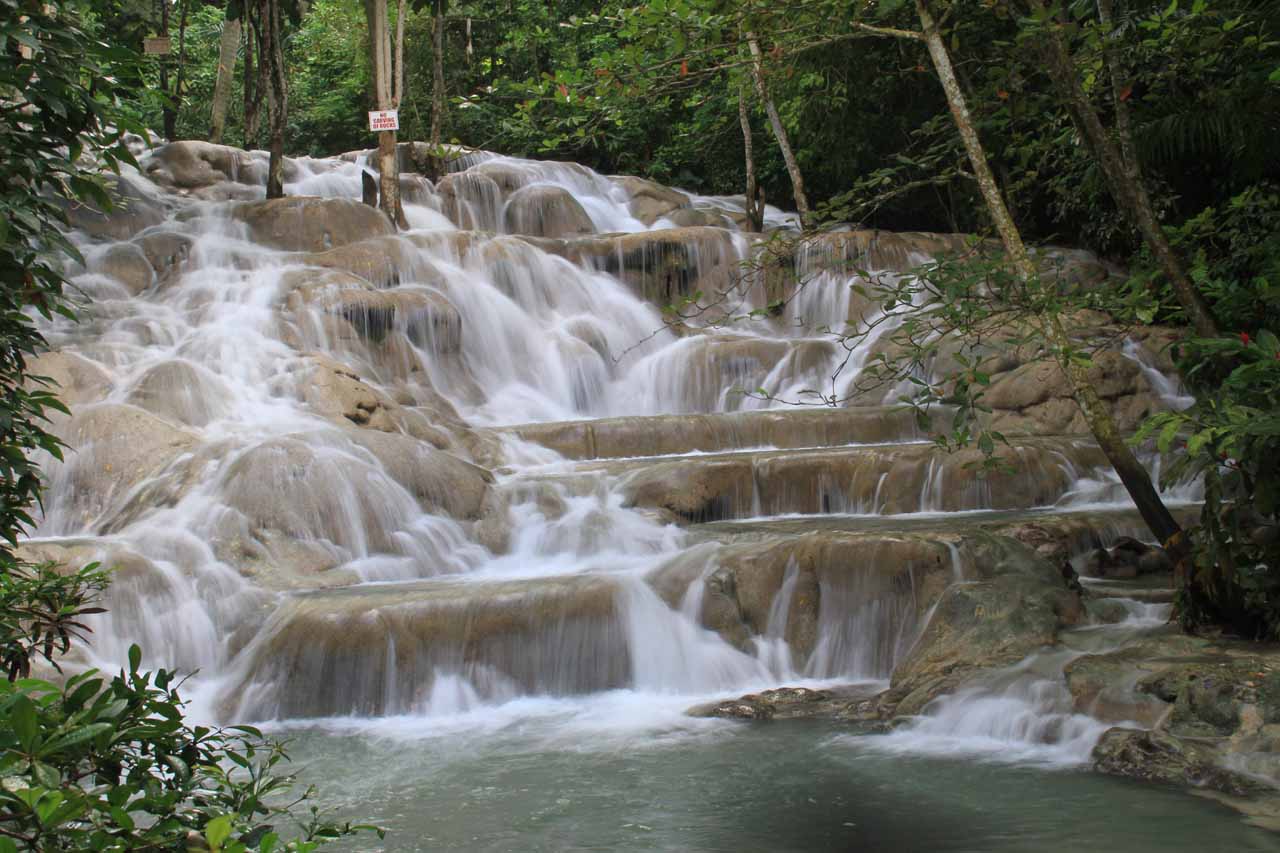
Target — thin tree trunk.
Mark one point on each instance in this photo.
(182, 65)
(437, 92)
(384, 94)
(1135, 478)
(1120, 164)
(278, 104)
(168, 120)
(779, 132)
(755, 209)
(254, 78)
(228, 45)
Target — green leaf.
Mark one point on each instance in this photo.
(22, 717)
(218, 831)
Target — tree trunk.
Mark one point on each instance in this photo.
(1135, 478)
(278, 93)
(254, 82)
(385, 77)
(754, 206)
(1120, 164)
(779, 132)
(167, 118)
(228, 45)
(437, 92)
(180, 82)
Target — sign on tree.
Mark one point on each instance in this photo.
(380, 120)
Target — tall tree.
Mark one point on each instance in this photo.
(1118, 156)
(1134, 476)
(272, 55)
(754, 201)
(437, 88)
(388, 89)
(779, 130)
(228, 46)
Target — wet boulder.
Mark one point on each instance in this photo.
(76, 379)
(307, 224)
(440, 481)
(1154, 756)
(127, 264)
(193, 164)
(182, 391)
(649, 201)
(166, 251)
(381, 261)
(113, 448)
(1016, 605)
(134, 207)
(543, 210)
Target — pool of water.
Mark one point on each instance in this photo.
(627, 773)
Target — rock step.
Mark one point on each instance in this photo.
(669, 435)
(865, 479)
(1137, 590)
(1079, 530)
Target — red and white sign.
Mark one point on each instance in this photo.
(380, 120)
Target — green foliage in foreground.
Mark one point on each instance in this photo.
(95, 763)
(109, 764)
(1231, 437)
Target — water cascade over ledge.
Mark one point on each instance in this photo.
(346, 472)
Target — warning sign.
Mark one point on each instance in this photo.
(380, 120)
(155, 45)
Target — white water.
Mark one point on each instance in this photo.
(252, 488)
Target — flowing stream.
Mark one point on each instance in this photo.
(456, 510)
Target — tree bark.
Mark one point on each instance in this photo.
(754, 205)
(779, 132)
(1120, 163)
(278, 93)
(437, 92)
(1135, 478)
(254, 79)
(228, 45)
(167, 118)
(182, 66)
(386, 77)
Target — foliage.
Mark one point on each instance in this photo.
(109, 764)
(1231, 437)
(92, 765)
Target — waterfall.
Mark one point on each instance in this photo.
(350, 471)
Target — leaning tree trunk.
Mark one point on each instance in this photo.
(754, 205)
(1134, 477)
(1120, 163)
(779, 132)
(278, 94)
(228, 45)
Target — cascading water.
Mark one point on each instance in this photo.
(313, 446)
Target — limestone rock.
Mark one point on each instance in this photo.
(441, 482)
(544, 210)
(306, 224)
(183, 392)
(1017, 606)
(113, 448)
(1157, 757)
(134, 207)
(167, 251)
(127, 264)
(76, 379)
(649, 201)
(194, 164)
